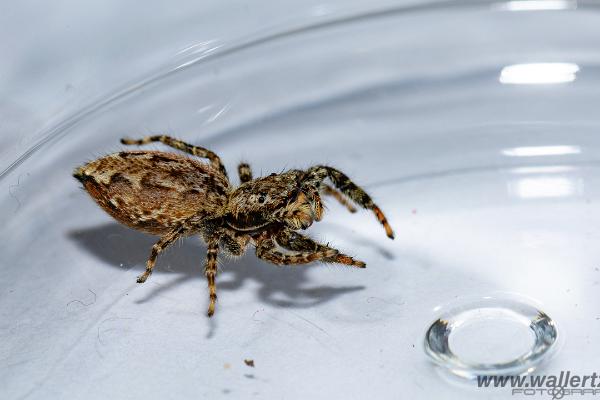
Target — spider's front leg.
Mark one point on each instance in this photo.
(294, 241)
(183, 146)
(266, 249)
(315, 176)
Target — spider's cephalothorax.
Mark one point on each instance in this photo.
(172, 196)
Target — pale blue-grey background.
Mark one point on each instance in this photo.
(408, 102)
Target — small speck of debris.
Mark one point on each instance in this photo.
(413, 346)
(414, 210)
(226, 365)
(597, 269)
(249, 363)
(249, 376)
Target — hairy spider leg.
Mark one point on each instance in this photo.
(180, 145)
(315, 175)
(210, 271)
(266, 249)
(161, 245)
(329, 191)
(294, 241)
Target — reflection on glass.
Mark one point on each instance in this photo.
(536, 151)
(552, 169)
(537, 5)
(544, 186)
(538, 73)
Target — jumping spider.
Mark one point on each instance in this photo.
(172, 196)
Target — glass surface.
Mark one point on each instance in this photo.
(474, 126)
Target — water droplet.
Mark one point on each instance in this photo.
(491, 336)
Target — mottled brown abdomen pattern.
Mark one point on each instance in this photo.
(154, 191)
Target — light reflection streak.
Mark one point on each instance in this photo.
(545, 187)
(538, 73)
(537, 151)
(536, 5)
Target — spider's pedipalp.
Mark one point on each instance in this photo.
(315, 176)
(244, 172)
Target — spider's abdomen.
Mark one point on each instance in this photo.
(154, 191)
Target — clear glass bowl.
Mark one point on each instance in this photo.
(474, 125)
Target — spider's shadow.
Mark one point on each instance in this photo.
(117, 245)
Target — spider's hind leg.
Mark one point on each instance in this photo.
(180, 145)
(161, 245)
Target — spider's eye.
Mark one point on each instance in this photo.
(262, 198)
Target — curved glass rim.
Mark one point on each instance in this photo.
(219, 50)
